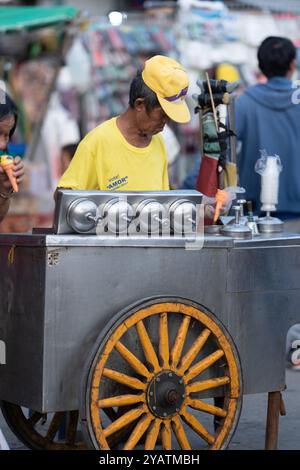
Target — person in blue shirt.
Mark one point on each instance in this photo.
(268, 117)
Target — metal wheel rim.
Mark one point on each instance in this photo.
(24, 428)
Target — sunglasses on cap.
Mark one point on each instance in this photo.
(183, 92)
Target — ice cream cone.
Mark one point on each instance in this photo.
(221, 198)
(8, 166)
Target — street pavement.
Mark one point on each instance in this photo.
(250, 433)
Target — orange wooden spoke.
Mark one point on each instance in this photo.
(206, 407)
(232, 406)
(147, 346)
(180, 340)
(180, 433)
(124, 420)
(72, 427)
(166, 436)
(193, 351)
(196, 426)
(121, 400)
(124, 379)
(54, 426)
(138, 432)
(207, 384)
(164, 339)
(152, 435)
(132, 360)
(202, 365)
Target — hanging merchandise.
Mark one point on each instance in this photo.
(78, 61)
(210, 33)
(116, 53)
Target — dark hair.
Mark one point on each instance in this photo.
(275, 55)
(70, 149)
(7, 109)
(139, 89)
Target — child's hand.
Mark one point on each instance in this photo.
(18, 172)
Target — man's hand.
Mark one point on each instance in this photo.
(5, 185)
(209, 206)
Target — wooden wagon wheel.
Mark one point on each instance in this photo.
(42, 431)
(160, 362)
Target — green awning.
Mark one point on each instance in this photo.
(13, 19)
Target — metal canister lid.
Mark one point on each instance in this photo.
(183, 216)
(236, 231)
(212, 229)
(81, 215)
(270, 225)
(151, 216)
(117, 214)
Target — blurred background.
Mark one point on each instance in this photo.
(68, 65)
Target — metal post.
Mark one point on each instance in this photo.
(272, 425)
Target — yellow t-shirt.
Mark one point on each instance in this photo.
(105, 160)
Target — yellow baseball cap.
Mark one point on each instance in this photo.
(169, 81)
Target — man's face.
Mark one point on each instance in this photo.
(6, 125)
(152, 122)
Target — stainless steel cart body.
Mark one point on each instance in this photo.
(59, 291)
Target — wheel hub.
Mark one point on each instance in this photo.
(166, 393)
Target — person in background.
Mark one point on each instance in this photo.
(67, 153)
(8, 124)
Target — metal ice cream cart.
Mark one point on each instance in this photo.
(154, 338)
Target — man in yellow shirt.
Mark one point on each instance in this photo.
(127, 152)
